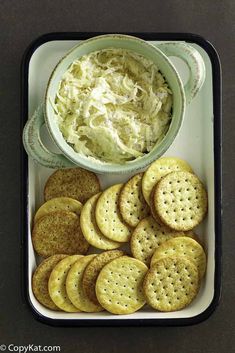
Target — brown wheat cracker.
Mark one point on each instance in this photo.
(57, 281)
(119, 285)
(171, 284)
(132, 204)
(180, 200)
(90, 229)
(183, 247)
(148, 236)
(74, 287)
(108, 217)
(58, 204)
(77, 183)
(159, 169)
(59, 233)
(93, 269)
(40, 280)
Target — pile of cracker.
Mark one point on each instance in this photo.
(151, 219)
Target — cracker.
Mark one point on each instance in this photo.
(171, 284)
(77, 183)
(119, 285)
(132, 204)
(152, 207)
(148, 236)
(74, 287)
(58, 204)
(182, 246)
(180, 200)
(56, 284)
(90, 229)
(40, 280)
(108, 217)
(93, 269)
(59, 233)
(159, 169)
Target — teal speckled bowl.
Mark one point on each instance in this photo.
(159, 55)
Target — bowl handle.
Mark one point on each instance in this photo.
(194, 61)
(34, 146)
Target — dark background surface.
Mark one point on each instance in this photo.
(21, 22)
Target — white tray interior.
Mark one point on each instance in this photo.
(194, 143)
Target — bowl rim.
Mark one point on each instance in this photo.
(100, 166)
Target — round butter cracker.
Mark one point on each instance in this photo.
(159, 169)
(90, 229)
(180, 200)
(119, 285)
(108, 217)
(171, 284)
(58, 204)
(183, 247)
(148, 236)
(56, 284)
(74, 287)
(132, 204)
(93, 269)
